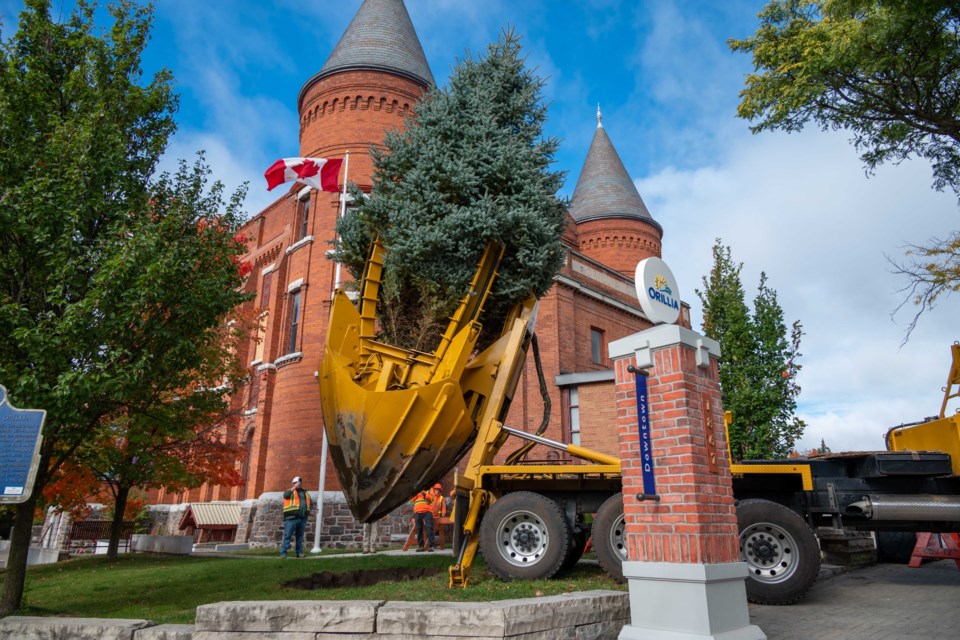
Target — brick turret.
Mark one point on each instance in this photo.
(614, 226)
(369, 83)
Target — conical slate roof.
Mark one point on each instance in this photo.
(604, 189)
(380, 37)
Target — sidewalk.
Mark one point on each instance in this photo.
(880, 602)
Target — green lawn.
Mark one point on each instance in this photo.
(168, 589)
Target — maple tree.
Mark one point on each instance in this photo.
(70, 490)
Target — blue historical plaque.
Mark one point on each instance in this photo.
(19, 449)
(646, 445)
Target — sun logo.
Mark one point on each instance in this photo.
(660, 284)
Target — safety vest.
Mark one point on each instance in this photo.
(439, 508)
(291, 505)
(423, 502)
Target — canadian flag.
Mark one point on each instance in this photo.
(319, 173)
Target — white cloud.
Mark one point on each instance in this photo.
(800, 208)
(242, 125)
(228, 167)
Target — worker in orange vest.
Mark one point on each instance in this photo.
(439, 506)
(296, 508)
(423, 508)
(439, 511)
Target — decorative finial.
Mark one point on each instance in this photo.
(599, 117)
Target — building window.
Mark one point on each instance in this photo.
(303, 218)
(574, 416)
(294, 321)
(261, 336)
(254, 390)
(596, 345)
(246, 463)
(265, 288)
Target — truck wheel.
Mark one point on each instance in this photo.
(780, 549)
(524, 535)
(895, 546)
(578, 542)
(608, 541)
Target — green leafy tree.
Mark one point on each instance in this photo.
(757, 365)
(185, 434)
(889, 72)
(109, 281)
(470, 166)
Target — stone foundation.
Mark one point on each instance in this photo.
(590, 615)
(165, 519)
(55, 531)
(261, 523)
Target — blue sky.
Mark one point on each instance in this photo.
(798, 207)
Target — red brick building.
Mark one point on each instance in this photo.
(368, 84)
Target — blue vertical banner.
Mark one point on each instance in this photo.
(19, 449)
(646, 444)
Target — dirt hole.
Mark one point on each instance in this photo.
(329, 580)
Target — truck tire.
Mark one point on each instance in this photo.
(608, 541)
(524, 535)
(895, 546)
(780, 549)
(578, 542)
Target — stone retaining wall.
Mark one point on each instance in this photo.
(589, 615)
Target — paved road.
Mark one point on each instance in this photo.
(881, 602)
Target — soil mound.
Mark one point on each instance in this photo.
(328, 580)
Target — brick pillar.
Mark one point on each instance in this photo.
(685, 575)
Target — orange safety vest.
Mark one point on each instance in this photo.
(422, 502)
(439, 507)
(292, 504)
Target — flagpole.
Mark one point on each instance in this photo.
(341, 213)
(321, 486)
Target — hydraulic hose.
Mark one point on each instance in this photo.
(515, 456)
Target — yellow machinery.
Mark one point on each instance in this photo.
(398, 420)
(939, 434)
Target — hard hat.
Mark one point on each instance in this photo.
(296, 479)
(438, 486)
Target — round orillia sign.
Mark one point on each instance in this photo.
(657, 291)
